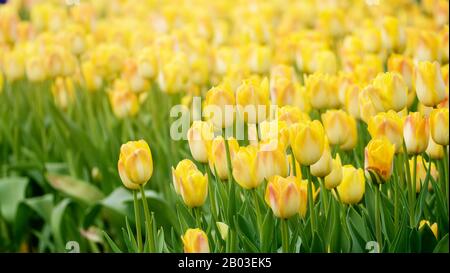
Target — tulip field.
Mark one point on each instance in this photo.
(245, 126)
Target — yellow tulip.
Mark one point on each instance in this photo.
(182, 170)
(217, 156)
(424, 45)
(370, 103)
(259, 59)
(333, 179)
(124, 103)
(336, 127)
(244, 168)
(282, 85)
(63, 92)
(388, 124)
(403, 65)
(324, 166)
(252, 98)
(392, 33)
(352, 187)
(439, 126)
(421, 172)
(194, 188)
(200, 136)
(147, 63)
(303, 187)
(352, 137)
(392, 90)
(283, 196)
(291, 115)
(195, 241)
(433, 227)
(35, 69)
(135, 164)
(308, 141)
(415, 133)
(274, 131)
(351, 101)
(325, 62)
(219, 106)
(14, 65)
(92, 79)
(429, 84)
(271, 160)
(379, 158)
(434, 150)
(322, 90)
(172, 76)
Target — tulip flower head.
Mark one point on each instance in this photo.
(195, 241)
(283, 196)
(379, 156)
(415, 133)
(135, 164)
(352, 187)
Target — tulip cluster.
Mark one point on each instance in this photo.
(341, 102)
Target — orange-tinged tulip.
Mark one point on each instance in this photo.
(333, 179)
(439, 126)
(308, 140)
(352, 187)
(135, 164)
(433, 227)
(388, 124)
(283, 196)
(63, 92)
(124, 103)
(271, 160)
(200, 136)
(379, 156)
(217, 156)
(291, 115)
(195, 241)
(336, 127)
(370, 102)
(415, 133)
(429, 84)
(322, 90)
(182, 169)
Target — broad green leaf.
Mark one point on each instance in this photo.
(75, 188)
(12, 192)
(442, 245)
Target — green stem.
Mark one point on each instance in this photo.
(198, 216)
(395, 182)
(413, 192)
(148, 220)
(409, 185)
(377, 216)
(324, 195)
(285, 235)
(310, 199)
(446, 173)
(258, 213)
(137, 216)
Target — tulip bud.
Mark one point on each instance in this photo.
(415, 133)
(219, 106)
(429, 84)
(195, 241)
(435, 151)
(405, 67)
(433, 227)
(217, 156)
(182, 169)
(421, 172)
(439, 126)
(252, 98)
(336, 127)
(352, 138)
(194, 188)
(223, 230)
(135, 164)
(283, 196)
(324, 166)
(333, 179)
(392, 90)
(379, 158)
(244, 168)
(200, 136)
(352, 187)
(308, 141)
(387, 124)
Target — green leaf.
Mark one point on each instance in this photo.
(42, 205)
(56, 222)
(111, 243)
(442, 245)
(12, 192)
(75, 188)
